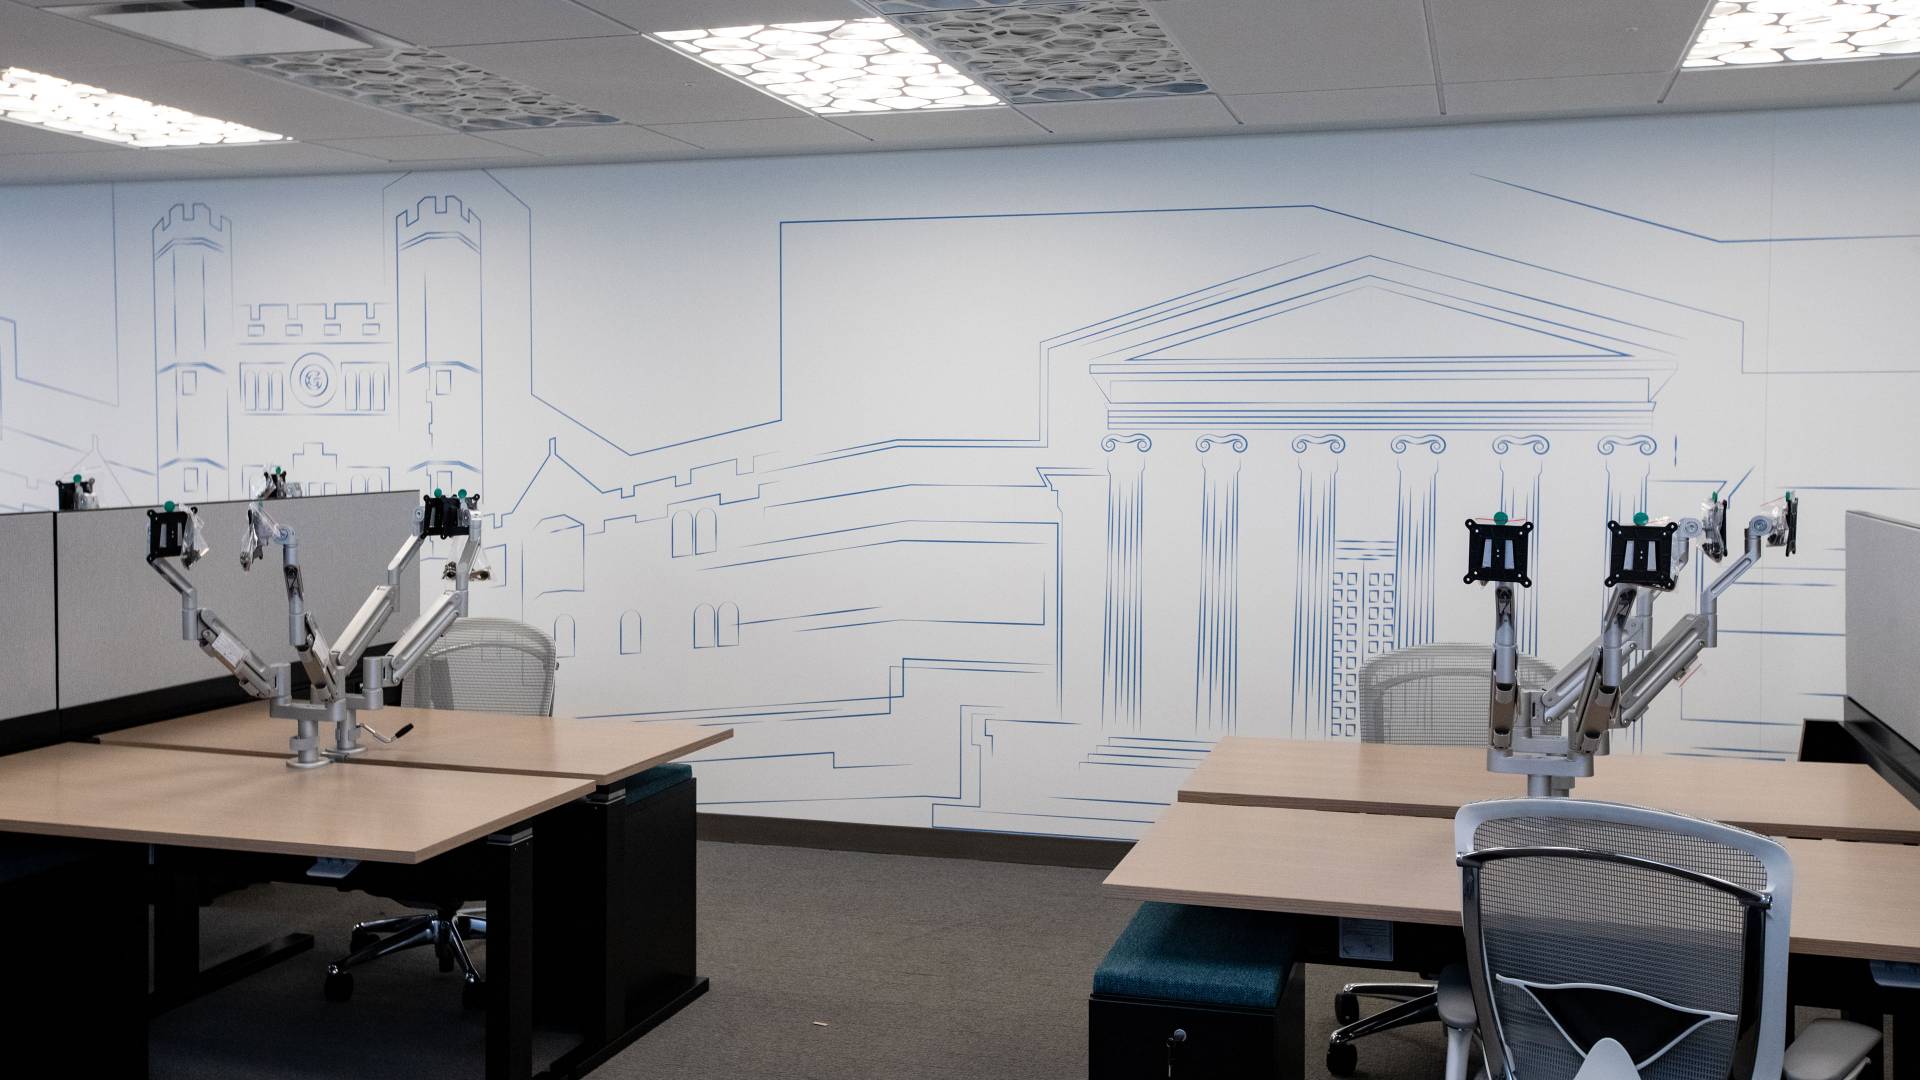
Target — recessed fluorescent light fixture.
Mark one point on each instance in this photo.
(1745, 32)
(834, 67)
(47, 101)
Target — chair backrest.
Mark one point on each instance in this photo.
(1433, 695)
(1590, 920)
(486, 665)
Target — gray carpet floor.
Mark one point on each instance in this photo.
(825, 964)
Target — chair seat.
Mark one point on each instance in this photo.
(1215, 956)
(1829, 1050)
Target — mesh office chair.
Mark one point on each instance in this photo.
(483, 665)
(1610, 942)
(1427, 695)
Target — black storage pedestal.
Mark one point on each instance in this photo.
(1128, 1039)
(615, 916)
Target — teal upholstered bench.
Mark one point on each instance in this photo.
(1193, 992)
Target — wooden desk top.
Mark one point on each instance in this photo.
(1818, 800)
(236, 802)
(1850, 899)
(603, 752)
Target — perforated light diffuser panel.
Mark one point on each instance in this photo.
(429, 86)
(48, 101)
(833, 66)
(1031, 53)
(1745, 32)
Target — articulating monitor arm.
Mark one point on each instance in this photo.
(1551, 733)
(174, 536)
(173, 544)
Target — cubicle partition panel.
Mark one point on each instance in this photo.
(122, 659)
(1883, 603)
(27, 689)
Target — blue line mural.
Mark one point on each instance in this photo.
(948, 571)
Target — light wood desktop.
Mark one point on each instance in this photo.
(1817, 800)
(603, 752)
(235, 802)
(1849, 899)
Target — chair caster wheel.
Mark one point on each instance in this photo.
(1342, 1059)
(474, 994)
(339, 986)
(1346, 1007)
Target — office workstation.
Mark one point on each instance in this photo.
(1190, 539)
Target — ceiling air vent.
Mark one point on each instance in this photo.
(226, 28)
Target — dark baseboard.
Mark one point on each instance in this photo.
(911, 840)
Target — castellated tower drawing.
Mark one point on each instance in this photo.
(438, 252)
(192, 287)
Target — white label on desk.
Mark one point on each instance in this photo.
(227, 646)
(1366, 939)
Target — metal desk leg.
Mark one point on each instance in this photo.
(177, 975)
(510, 955)
(607, 1011)
(1906, 1045)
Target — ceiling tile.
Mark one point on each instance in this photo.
(1536, 97)
(628, 77)
(111, 165)
(652, 16)
(1372, 105)
(1138, 116)
(1259, 46)
(281, 157)
(69, 48)
(1488, 40)
(948, 127)
(1792, 84)
(22, 139)
(463, 22)
(604, 143)
(771, 136)
(447, 147)
(229, 92)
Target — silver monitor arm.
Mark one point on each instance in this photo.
(1550, 734)
(174, 536)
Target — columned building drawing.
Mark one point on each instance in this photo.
(1404, 398)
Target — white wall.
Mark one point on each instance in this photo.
(1026, 473)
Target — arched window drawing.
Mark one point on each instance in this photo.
(682, 529)
(704, 627)
(629, 633)
(706, 531)
(727, 624)
(563, 636)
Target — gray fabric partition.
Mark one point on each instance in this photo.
(26, 615)
(1883, 611)
(120, 623)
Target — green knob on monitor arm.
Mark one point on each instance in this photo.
(1640, 518)
(169, 506)
(1500, 517)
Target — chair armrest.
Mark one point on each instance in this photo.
(1453, 995)
(1829, 1050)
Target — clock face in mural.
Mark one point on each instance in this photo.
(313, 380)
